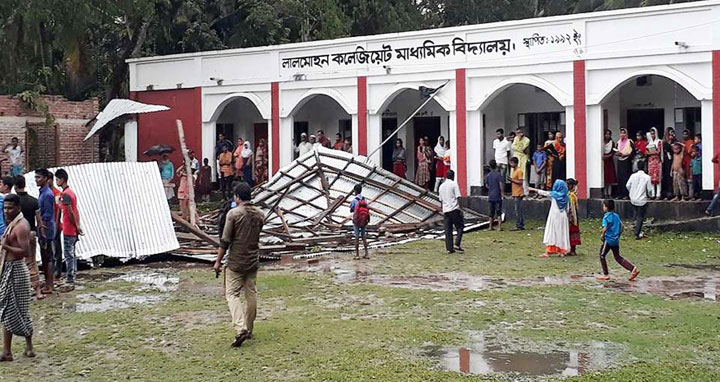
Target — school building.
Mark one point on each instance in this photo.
(580, 74)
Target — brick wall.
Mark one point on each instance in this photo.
(58, 145)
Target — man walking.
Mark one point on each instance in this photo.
(240, 240)
(495, 184)
(361, 217)
(15, 156)
(15, 280)
(640, 186)
(449, 193)
(47, 228)
(70, 226)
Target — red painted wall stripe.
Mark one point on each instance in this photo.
(461, 125)
(362, 115)
(716, 111)
(275, 107)
(579, 128)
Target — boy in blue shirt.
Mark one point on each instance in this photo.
(612, 228)
(539, 159)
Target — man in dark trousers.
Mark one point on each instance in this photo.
(241, 241)
(449, 193)
(30, 211)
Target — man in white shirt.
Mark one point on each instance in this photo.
(449, 193)
(640, 186)
(15, 156)
(304, 146)
(502, 149)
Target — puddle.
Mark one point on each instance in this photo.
(104, 301)
(484, 358)
(439, 282)
(151, 280)
(697, 267)
(672, 287)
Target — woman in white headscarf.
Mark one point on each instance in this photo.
(654, 151)
(247, 163)
(439, 162)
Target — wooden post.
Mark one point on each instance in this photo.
(188, 171)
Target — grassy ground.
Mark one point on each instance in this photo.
(313, 328)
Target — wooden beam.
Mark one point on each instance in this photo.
(188, 171)
(192, 228)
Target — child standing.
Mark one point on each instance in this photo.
(678, 174)
(539, 160)
(696, 166)
(573, 217)
(517, 178)
(361, 217)
(612, 228)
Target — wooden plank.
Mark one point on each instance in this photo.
(188, 171)
(192, 228)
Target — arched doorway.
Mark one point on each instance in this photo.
(645, 101)
(526, 107)
(320, 112)
(240, 118)
(432, 121)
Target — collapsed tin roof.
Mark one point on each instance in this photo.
(313, 194)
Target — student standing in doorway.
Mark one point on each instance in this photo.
(678, 173)
(71, 227)
(424, 159)
(226, 172)
(449, 193)
(398, 158)
(502, 149)
(521, 147)
(609, 150)
(539, 160)
(625, 147)
(339, 143)
(655, 156)
(612, 229)
(439, 164)
(495, 184)
(517, 178)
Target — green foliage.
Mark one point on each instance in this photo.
(78, 48)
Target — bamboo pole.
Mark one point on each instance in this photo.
(188, 171)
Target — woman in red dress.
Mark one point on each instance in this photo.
(439, 162)
(399, 160)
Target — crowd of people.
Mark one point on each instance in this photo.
(674, 165)
(27, 223)
(431, 164)
(320, 140)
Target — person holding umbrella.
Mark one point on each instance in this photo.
(167, 172)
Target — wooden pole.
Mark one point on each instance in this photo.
(188, 172)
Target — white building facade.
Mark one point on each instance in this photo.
(580, 74)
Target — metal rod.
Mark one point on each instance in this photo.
(409, 118)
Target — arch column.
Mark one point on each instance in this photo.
(593, 144)
(709, 129)
(374, 137)
(357, 132)
(285, 144)
(208, 147)
(475, 133)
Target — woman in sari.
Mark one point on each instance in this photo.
(625, 147)
(439, 165)
(399, 160)
(609, 163)
(247, 163)
(557, 230)
(424, 158)
(573, 218)
(559, 169)
(550, 160)
(654, 150)
(261, 162)
(667, 152)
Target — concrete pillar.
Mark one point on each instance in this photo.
(286, 146)
(270, 147)
(374, 137)
(570, 148)
(452, 136)
(355, 134)
(476, 146)
(208, 141)
(594, 145)
(131, 141)
(708, 145)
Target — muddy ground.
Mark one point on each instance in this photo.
(410, 313)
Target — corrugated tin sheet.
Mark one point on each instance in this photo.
(122, 209)
(119, 107)
(297, 191)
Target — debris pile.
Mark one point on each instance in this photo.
(307, 208)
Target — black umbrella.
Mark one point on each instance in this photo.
(159, 150)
